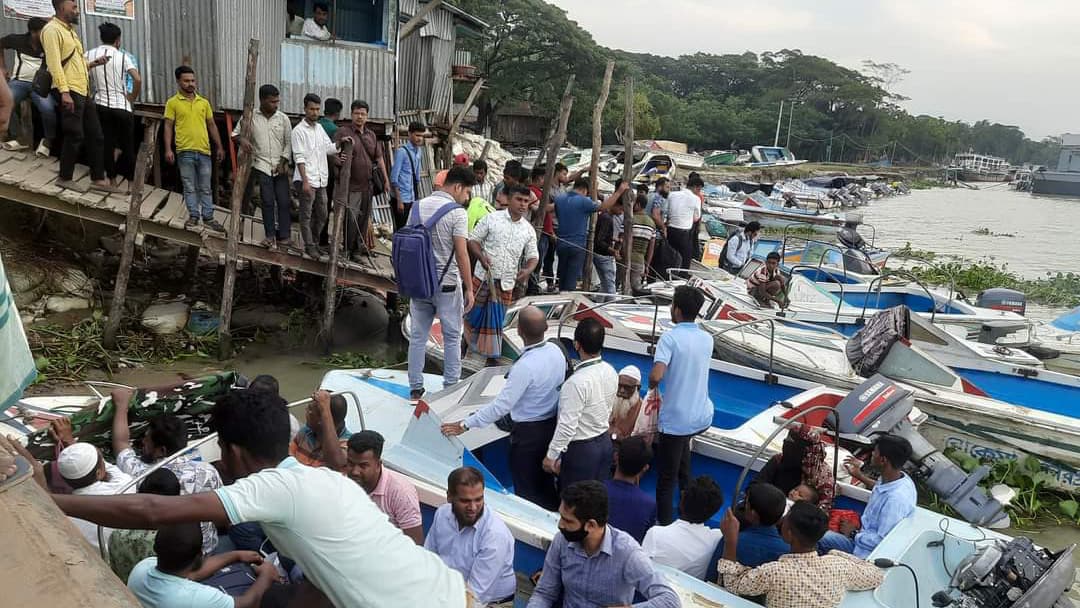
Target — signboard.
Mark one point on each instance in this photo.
(25, 9)
(117, 9)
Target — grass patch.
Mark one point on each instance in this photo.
(1054, 289)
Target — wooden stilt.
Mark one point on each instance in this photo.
(337, 222)
(594, 169)
(556, 142)
(628, 198)
(233, 236)
(131, 227)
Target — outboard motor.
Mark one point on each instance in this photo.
(1006, 574)
(1000, 298)
(879, 406)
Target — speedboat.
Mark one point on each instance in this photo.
(1057, 343)
(773, 156)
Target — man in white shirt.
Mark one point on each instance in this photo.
(315, 26)
(83, 468)
(684, 210)
(581, 448)
(311, 145)
(687, 544)
(474, 540)
(270, 145)
(113, 97)
(350, 554)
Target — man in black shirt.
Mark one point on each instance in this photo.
(604, 251)
(29, 55)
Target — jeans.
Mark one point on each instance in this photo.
(571, 263)
(448, 307)
(46, 106)
(357, 217)
(119, 130)
(276, 206)
(605, 267)
(637, 275)
(313, 215)
(81, 126)
(673, 462)
(835, 540)
(195, 171)
(544, 246)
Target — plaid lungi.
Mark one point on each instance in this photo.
(484, 328)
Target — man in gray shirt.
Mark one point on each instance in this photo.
(449, 239)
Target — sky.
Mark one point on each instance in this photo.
(1016, 63)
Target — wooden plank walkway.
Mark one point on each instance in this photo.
(30, 180)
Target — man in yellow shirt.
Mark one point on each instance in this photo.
(190, 118)
(78, 116)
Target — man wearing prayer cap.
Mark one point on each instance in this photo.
(83, 468)
(627, 404)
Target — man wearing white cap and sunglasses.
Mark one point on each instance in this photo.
(88, 474)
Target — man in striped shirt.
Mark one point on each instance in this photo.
(767, 283)
(115, 85)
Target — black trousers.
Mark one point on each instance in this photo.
(81, 129)
(680, 240)
(401, 217)
(528, 447)
(588, 459)
(118, 127)
(673, 464)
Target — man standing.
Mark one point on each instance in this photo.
(682, 363)
(405, 173)
(70, 76)
(271, 148)
(321, 441)
(455, 296)
(740, 247)
(643, 248)
(581, 446)
(190, 117)
(367, 162)
(473, 540)
(28, 57)
(632, 509)
(767, 284)
(530, 396)
(658, 209)
(687, 544)
(311, 145)
(684, 211)
(590, 563)
(331, 114)
(109, 83)
(483, 188)
(391, 492)
(573, 210)
(315, 26)
(604, 251)
(500, 242)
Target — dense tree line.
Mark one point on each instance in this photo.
(723, 101)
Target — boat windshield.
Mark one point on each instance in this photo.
(1069, 321)
(905, 363)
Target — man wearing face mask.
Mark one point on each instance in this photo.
(592, 564)
(164, 435)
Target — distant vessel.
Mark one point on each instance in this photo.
(772, 156)
(973, 167)
(1066, 180)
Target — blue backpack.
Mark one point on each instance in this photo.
(413, 256)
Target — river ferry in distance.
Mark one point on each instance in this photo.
(973, 167)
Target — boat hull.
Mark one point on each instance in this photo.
(1056, 182)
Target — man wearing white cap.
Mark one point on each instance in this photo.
(624, 414)
(83, 468)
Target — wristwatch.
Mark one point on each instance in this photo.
(464, 426)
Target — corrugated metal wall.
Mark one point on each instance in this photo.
(424, 64)
(236, 23)
(337, 71)
(374, 81)
(182, 30)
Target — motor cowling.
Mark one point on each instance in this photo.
(1006, 574)
(1000, 298)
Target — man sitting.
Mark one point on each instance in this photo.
(800, 578)
(892, 498)
(767, 283)
(391, 492)
(589, 563)
(129, 547)
(170, 580)
(687, 544)
(631, 509)
(474, 540)
(325, 419)
(759, 538)
(624, 414)
(88, 474)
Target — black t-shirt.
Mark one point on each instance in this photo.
(27, 57)
(605, 227)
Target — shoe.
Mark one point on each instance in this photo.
(193, 222)
(312, 252)
(43, 149)
(357, 257)
(13, 146)
(286, 244)
(213, 225)
(324, 251)
(270, 244)
(416, 394)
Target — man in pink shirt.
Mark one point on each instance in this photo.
(390, 491)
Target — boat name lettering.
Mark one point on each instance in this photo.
(1065, 476)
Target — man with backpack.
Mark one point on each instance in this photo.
(431, 263)
(739, 248)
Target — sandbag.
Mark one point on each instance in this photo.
(163, 319)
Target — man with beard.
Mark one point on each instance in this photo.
(473, 540)
(164, 436)
(624, 414)
(593, 564)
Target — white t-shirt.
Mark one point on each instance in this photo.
(115, 480)
(683, 546)
(344, 544)
(109, 81)
(684, 208)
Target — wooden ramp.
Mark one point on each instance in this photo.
(30, 180)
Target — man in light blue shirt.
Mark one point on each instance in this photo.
(474, 540)
(405, 174)
(892, 499)
(682, 364)
(531, 397)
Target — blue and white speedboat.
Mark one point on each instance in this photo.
(1057, 343)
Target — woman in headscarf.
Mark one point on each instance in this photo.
(801, 461)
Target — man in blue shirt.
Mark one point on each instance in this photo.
(759, 537)
(573, 210)
(405, 174)
(632, 509)
(682, 364)
(590, 563)
(892, 498)
(531, 397)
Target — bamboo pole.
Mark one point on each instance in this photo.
(420, 15)
(628, 174)
(341, 201)
(477, 87)
(594, 168)
(131, 229)
(243, 170)
(556, 142)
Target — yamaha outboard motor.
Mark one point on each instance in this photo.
(1000, 298)
(1007, 574)
(879, 406)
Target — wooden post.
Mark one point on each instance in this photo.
(420, 15)
(628, 174)
(594, 168)
(341, 201)
(131, 229)
(243, 170)
(487, 147)
(26, 124)
(477, 87)
(556, 142)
